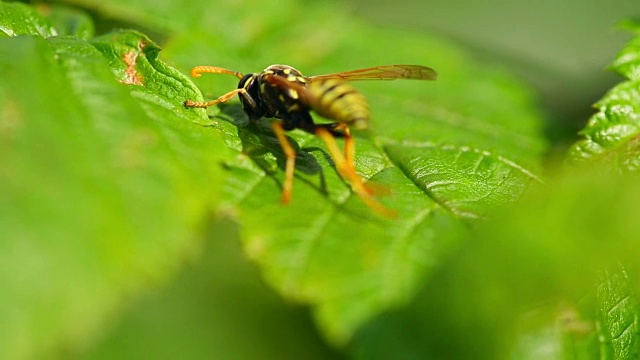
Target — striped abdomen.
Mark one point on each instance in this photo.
(336, 99)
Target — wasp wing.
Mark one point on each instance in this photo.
(386, 72)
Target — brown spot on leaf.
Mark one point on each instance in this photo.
(131, 75)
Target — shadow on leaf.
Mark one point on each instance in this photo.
(259, 142)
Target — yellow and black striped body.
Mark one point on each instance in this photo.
(282, 92)
(338, 100)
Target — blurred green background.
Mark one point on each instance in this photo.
(562, 48)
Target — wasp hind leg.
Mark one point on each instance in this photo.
(341, 130)
(290, 156)
(345, 164)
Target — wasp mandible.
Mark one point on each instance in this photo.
(283, 93)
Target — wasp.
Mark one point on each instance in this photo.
(283, 93)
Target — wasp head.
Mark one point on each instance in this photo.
(250, 99)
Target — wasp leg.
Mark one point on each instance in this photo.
(342, 130)
(221, 99)
(290, 155)
(199, 70)
(349, 154)
(346, 168)
(349, 145)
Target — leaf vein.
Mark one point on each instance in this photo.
(627, 328)
(615, 306)
(296, 267)
(392, 266)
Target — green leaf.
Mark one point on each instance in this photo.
(619, 312)
(448, 151)
(102, 196)
(611, 134)
(20, 19)
(462, 180)
(627, 63)
(133, 57)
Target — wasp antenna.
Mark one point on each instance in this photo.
(199, 70)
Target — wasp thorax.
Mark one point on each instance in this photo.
(283, 70)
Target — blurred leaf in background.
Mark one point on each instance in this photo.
(556, 274)
(216, 308)
(610, 137)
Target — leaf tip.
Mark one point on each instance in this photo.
(630, 24)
